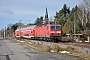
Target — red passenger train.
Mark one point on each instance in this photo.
(50, 32)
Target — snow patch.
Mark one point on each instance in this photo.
(30, 42)
(63, 52)
(52, 51)
(22, 41)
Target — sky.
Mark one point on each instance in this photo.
(12, 11)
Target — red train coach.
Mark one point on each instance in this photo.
(49, 32)
(27, 32)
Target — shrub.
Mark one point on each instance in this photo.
(46, 48)
(56, 48)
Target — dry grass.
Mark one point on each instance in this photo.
(46, 48)
(70, 49)
(56, 48)
(80, 54)
(37, 46)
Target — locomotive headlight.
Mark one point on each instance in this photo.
(52, 33)
(59, 33)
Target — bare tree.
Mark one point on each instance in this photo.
(84, 10)
(9, 25)
(86, 4)
(2, 32)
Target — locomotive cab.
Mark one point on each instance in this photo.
(55, 32)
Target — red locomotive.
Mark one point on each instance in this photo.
(50, 32)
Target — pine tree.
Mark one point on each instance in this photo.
(39, 21)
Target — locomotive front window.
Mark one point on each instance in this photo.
(52, 27)
(57, 27)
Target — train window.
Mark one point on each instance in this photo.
(58, 28)
(52, 27)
